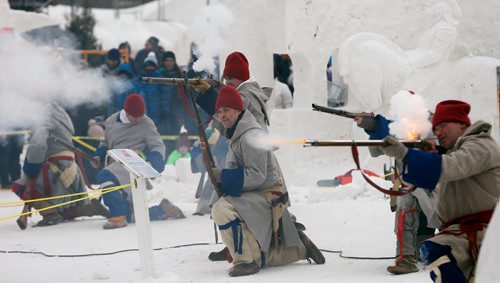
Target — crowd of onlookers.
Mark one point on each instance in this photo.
(165, 105)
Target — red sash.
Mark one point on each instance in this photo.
(470, 225)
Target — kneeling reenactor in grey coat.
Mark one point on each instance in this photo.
(250, 185)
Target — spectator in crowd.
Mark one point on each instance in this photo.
(169, 68)
(281, 97)
(177, 116)
(113, 60)
(155, 95)
(283, 70)
(183, 145)
(123, 85)
(151, 45)
(131, 61)
(10, 150)
(95, 130)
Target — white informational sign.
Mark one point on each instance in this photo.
(133, 163)
(139, 170)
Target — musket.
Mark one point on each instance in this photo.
(420, 144)
(339, 112)
(407, 143)
(71, 147)
(153, 80)
(208, 158)
(201, 182)
(22, 221)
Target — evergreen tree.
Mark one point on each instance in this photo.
(82, 25)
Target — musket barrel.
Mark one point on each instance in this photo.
(154, 80)
(340, 112)
(407, 143)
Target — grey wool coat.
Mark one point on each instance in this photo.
(260, 173)
(470, 183)
(470, 174)
(132, 136)
(255, 101)
(55, 122)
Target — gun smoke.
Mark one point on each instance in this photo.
(410, 115)
(32, 76)
(208, 31)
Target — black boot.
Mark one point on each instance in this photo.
(243, 269)
(172, 211)
(299, 226)
(312, 251)
(218, 256)
(50, 219)
(50, 216)
(92, 209)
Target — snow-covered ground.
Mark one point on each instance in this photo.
(352, 220)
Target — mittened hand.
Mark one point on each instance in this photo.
(392, 147)
(200, 86)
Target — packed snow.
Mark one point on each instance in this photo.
(352, 221)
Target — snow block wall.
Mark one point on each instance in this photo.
(446, 50)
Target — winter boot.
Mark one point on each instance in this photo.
(50, 216)
(299, 226)
(219, 256)
(115, 222)
(243, 269)
(312, 251)
(404, 265)
(172, 211)
(49, 219)
(91, 209)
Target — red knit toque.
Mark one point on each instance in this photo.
(134, 105)
(229, 97)
(236, 67)
(451, 111)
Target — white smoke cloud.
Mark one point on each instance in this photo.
(410, 115)
(31, 76)
(212, 22)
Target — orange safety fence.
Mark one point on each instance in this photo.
(85, 53)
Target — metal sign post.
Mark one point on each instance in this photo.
(139, 171)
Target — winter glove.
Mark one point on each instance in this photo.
(156, 160)
(32, 169)
(379, 129)
(200, 86)
(231, 181)
(392, 147)
(100, 152)
(367, 123)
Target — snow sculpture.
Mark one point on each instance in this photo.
(372, 64)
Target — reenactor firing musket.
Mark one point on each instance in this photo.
(152, 80)
(339, 112)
